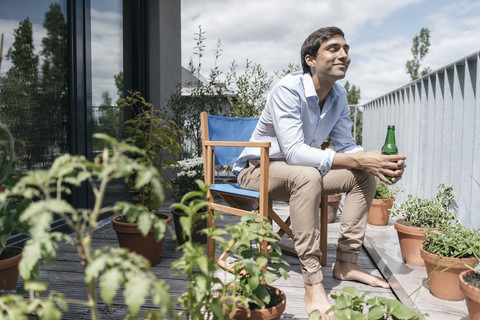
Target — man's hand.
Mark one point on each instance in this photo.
(374, 163)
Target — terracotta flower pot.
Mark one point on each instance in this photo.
(333, 203)
(196, 234)
(379, 213)
(9, 267)
(129, 236)
(272, 313)
(471, 292)
(444, 272)
(411, 240)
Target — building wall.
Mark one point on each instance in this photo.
(164, 52)
(437, 122)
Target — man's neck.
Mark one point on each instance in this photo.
(322, 88)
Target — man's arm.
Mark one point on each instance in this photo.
(372, 162)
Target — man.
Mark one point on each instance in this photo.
(303, 109)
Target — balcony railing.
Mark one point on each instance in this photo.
(437, 121)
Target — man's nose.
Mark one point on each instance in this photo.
(342, 53)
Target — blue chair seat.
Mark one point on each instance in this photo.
(234, 189)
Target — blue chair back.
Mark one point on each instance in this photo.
(229, 129)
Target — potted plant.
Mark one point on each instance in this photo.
(420, 215)
(382, 203)
(200, 300)
(10, 211)
(106, 269)
(147, 130)
(187, 172)
(349, 304)
(448, 252)
(253, 245)
(470, 286)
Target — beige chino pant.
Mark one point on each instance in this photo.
(303, 187)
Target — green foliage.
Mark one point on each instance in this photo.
(199, 301)
(350, 305)
(254, 266)
(291, 67)
(157, 137)
(456, 241)
(16, 307)
(34, 97)
(112, 268)
(7, 153)
(250, 268)
(202, 95)
(11, 211)
(428, 213)
(353, 96)
(385, 192)
(420, 45)
(250, 89)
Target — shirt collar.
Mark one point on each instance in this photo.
(310, 88)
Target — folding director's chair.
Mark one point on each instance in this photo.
(223, 139)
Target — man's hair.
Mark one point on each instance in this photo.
(312, 43)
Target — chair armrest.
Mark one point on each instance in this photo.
(258, 144)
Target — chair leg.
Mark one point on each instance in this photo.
(323, 229)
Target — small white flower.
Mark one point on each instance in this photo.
(181, 173)
(191, 173)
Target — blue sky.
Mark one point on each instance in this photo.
(270, 32)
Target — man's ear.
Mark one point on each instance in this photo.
(310, 60)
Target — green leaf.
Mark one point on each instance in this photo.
(136, 289)
(399, 310)
(262, 293)
(110, 282)
(144, 223)
(315, 315)
(352, 290)
(202, 263)
(377, 312)
(49, 312)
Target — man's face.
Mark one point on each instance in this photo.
(332, 59)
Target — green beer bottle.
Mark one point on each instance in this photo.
(390, 147)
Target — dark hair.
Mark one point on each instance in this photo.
(312, 43)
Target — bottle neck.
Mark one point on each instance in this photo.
(390, 139)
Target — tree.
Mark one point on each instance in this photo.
(250, 88)
(208, 95)
(54, 85)
(18, 93)
(419, 50)
(107, 119)
(353, 96)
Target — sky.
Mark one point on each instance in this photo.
(379, 32)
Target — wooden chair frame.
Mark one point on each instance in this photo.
(261, 198)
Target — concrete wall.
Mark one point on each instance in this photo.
(164, 52)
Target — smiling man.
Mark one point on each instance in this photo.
(302, 110)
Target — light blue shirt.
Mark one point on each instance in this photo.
(296, 128)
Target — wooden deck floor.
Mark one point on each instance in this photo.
(67, 277)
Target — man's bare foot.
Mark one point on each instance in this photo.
(353, 272)
(316, 299)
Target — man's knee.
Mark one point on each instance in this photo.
(366, 181)
(309, 177)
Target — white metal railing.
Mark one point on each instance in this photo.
(437, 126)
